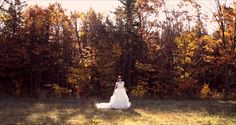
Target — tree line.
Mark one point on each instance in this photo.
(47, 51)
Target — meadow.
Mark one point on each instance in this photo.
(73, 111)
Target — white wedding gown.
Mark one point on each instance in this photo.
(119, 99)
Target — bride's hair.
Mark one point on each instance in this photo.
(119, 77)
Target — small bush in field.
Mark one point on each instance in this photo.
(140, 90)
(60, 90)
(217, 95)
(205, 91)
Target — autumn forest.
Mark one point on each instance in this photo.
(48, 51)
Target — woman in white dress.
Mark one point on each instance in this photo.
(119, 99)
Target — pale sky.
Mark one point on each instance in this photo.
(107, 6)
(102, 6)
(110, 5)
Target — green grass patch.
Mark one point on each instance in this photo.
(142, 112)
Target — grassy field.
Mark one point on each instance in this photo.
(71, 111)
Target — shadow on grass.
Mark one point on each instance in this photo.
(209, 107)
(56, 111)
(61, 111)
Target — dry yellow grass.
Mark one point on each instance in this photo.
(143, 112)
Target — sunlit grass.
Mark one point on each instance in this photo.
(142, 112)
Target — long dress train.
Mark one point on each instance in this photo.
(119, 99)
